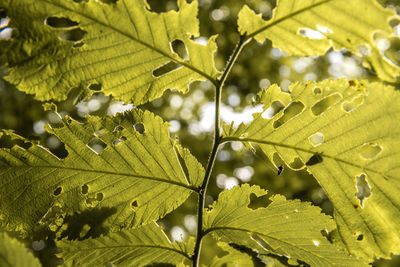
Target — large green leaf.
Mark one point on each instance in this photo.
(140, 247)
(141, 174)
(13, 253)
(347, 135)
(339, 24)
(285, 227)
(124, 46)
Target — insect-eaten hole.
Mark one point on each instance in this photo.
(322, 105)
(363, 188)
(315, 159)
(166, 68)
(179, 47)
(99, 196)
(118, 128)
(134, 204)
(257, 202)
(317, 91)
(297, 164)
(57, 191)
(120, 140)
(360, 237)
(84, 189)
(95, 87)
(316, 139)
(353, 104)
(274, 109)
(96, 145)
(292, 110)
(312, 34)
(370, 151)
(74, 35)
(139, 127)
(316, 243)
(60, 22)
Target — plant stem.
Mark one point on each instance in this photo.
(217, 142)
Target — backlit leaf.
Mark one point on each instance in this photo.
(13, 253)
(346, 134)
(285, 227)
(311, 27)
(140, 247)
(122, 49)
(127, 164)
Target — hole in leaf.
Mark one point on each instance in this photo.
(352, 83)
(166, 68)
(364, 50)
(297, 164)
(134, 204)
(274, 109)
(317, 91)
(292, 110)
(316, 243)
(85, 189)
(95, 87)
(96, 145)
(360, 237)
(122, 139)
(322, 105)
(316, 139)
(74, 35)
(350, 106)
(363, 188)
(118, 128)
(280, 170)
(99, 196)
(139, 127)
(57, 22)
(258, 202)
(370, 151)
(261, 241)
(315, 159)
(178, 46)
(58, 191)
(310, 33)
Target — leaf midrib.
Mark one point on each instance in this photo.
(153, 178)
(138, 246)
(275, 22)
(183, 63)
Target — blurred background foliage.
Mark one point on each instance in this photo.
(191, 118)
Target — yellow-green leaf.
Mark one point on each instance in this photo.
(140, 247)
(121, 49)
(15, 254)
(285, 227)
(126, 164)
(311, 27)
(346, 134)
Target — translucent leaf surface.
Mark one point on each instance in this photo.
(137, 176)
(284, 227)
(13, 253)
(346, 134)
(311, 27)
(122, 49)
(140, 247)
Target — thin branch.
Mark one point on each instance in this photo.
(217, 141)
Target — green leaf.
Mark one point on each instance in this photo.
(285, 227)
(339, 24)
(120, 51)
(140, 247)
(234, 257)
(138, 176)
(346, 134)
(13, 253)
